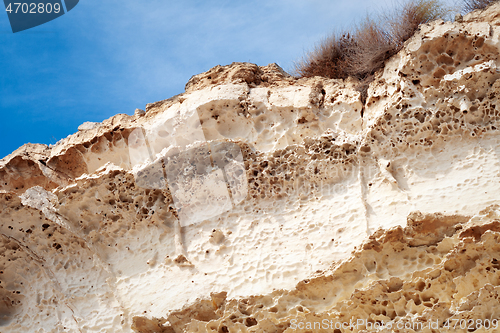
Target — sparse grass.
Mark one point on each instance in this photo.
(374, 45)
(329, 58)
(410, 15)
(470, 5)
(362, 52)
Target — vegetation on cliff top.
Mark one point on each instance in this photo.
(470, 5)
(363, 51)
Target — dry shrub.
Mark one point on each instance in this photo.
(470, 5)
(329, 58)
(374, 45)
(363, 52)
(405, 21)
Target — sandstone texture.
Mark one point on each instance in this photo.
(259, 202)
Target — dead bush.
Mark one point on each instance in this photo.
(330, 58)
(470, 5)
(365, 50)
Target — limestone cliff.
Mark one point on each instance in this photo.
(258, 202)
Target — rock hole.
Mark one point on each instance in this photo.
(249, 322)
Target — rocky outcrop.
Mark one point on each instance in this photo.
(438, 273)
(256, 201)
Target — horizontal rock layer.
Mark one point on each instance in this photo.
(253, 181)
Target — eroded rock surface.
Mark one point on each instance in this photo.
(437, 273)
(256, 201)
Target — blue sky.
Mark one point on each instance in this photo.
(113, 56)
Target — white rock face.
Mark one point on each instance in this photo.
(249, 182)
(88, 125)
